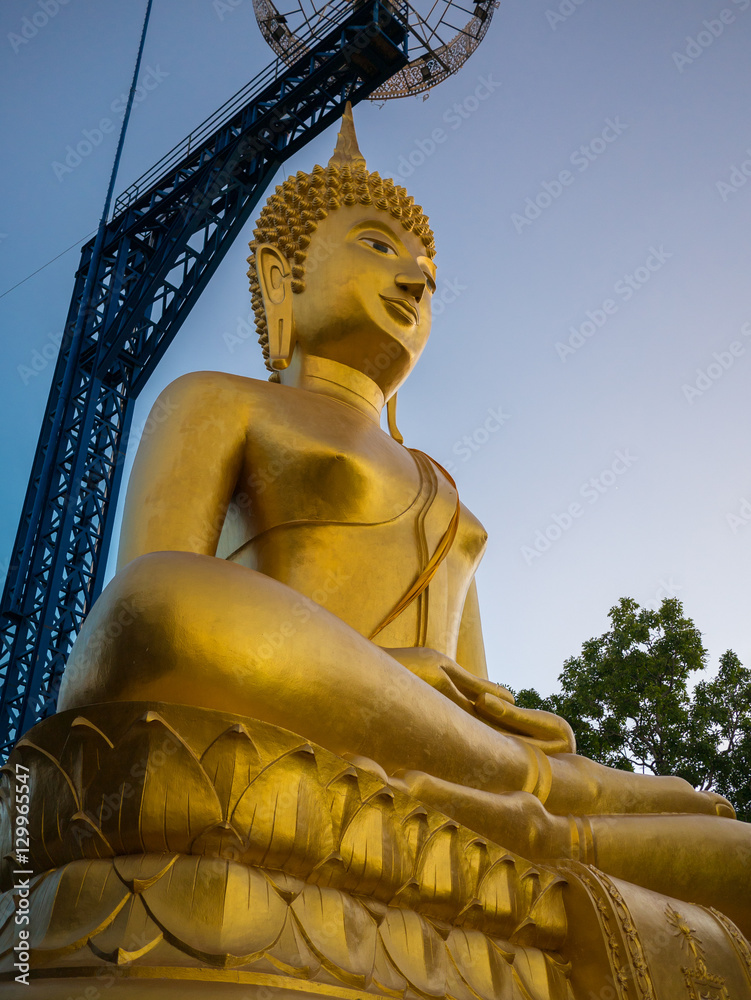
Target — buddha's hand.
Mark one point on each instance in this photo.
(549, 732)
(491, 702)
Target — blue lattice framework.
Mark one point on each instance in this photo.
(168, 233)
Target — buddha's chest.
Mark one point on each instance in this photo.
(325, 495)
(325, 461)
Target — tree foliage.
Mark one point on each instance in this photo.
(629, 699)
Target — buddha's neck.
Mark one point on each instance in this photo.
(330, 378)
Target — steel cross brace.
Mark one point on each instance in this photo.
(169, 232)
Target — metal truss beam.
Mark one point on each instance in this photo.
(167, 236)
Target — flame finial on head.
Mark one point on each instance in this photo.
(347, 152)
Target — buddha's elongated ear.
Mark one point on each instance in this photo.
(275, 279)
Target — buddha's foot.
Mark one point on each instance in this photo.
(721, 805)
(518, 818)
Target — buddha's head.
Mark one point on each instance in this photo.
(341, 268)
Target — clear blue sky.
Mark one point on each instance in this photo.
(612, 127)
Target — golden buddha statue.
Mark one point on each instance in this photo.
(285, 560)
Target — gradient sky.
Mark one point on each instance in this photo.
(619, 119)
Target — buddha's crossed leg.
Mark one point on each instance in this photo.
(205, 632)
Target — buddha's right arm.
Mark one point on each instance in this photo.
(187, 466)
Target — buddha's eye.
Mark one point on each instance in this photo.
(383, 248)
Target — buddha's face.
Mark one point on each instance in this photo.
(367, 296)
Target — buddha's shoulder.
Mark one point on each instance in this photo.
(212, 388)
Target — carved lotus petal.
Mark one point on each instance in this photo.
(86, 751)
(546, 925)
(344, 800)
(340, 931)
(220, 912)
(283, 817)
(529, 883)
(291, 955)
(7, 908)
(48, 784)
(456, 987)
(386, 976)
(8, 929)
(131, 935)
(559, 976)
(138, 872)
(482, 967)
(374, 850)
(416, 950)
(501, 898)
(231, 763)
(416, 832)
(73, 904)
(478, 861)
(330, 872)
(163, 802)
(530, 972)
(288, 886)
(219, 841)
(443, 874)
(6, 828)
(84, 839)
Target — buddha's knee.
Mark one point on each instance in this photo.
(131, 630)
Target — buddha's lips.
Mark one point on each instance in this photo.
(403, 307)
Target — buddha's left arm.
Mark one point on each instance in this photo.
(470, 651)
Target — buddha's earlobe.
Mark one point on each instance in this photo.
(391, 417)
(275, 279)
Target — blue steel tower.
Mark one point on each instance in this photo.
(166, 237)
(140, 277)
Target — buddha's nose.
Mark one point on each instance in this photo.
(414, 283)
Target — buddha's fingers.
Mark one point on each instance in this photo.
(472, 686)
(543, 729)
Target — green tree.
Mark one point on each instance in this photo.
(628, 698)
(721, 713)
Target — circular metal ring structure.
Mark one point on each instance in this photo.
(443, 34)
